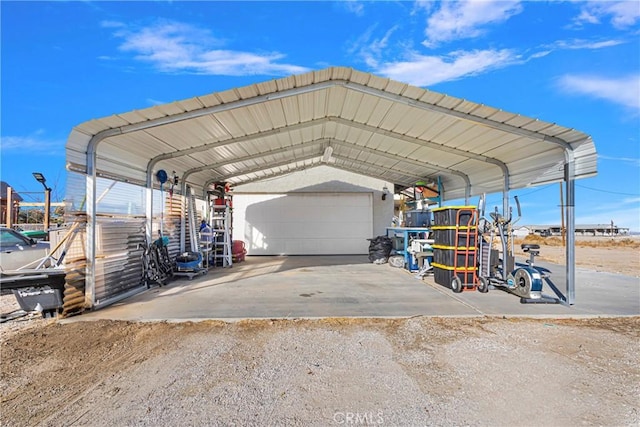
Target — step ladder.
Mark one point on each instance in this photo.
(221, 228)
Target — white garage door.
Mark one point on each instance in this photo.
(303, 223)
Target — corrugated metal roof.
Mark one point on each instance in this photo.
(376, 126)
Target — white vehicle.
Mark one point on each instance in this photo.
(19, 251)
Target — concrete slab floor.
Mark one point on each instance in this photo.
(350, 286)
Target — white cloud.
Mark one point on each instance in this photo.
(623, 212)
(622, 217)
(176, 47)
(152, 101)
(623, 14)
(623, 91)
(112, 24)
(423, 70)
(35, 144)
(372, 51)
(540, 54)
(467, 19)
(632, 201)
(575, 44)
(353, 6)
(422, 5)
(629, 160)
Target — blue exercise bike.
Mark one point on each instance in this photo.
(497, 267)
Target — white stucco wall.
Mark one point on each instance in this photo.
(325, 179)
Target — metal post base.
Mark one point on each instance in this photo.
(543, 300)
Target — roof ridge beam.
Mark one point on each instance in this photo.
(293, 147)
(370, 175)
(389, 170)
(297, 169)
(277, 174)
(398, 158)
(336, 119)
(314, 122)
(211, 181)
(343, 143)
(276, 165)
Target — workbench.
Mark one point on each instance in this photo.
(407, 234)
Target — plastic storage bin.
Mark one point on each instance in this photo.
(418, 218)
(446, 236)
(447, 257)
(49, 299)
(443, 275)
(447, 215)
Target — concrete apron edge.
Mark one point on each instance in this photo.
(315, 318)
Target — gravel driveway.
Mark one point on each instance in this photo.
(332, 372)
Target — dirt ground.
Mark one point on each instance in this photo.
(625, 261)
(620, 255)
(417, 371)
(420, 371)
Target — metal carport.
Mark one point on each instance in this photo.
(376, 127)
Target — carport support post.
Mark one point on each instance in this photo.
(183, 214)
(505, 197)
(90, 279)
(149, 211)
(569, 173)
(505, 203)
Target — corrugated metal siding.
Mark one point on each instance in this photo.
(120, 236)
(118, 264)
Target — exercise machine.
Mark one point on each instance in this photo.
(497, 268)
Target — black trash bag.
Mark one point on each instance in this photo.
(380, 249)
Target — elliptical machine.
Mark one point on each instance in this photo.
(497, 267)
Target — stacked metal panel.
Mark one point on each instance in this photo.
(118, 262)
(120, 244)
(172, 222)
(74, 262)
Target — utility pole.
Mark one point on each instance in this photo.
(9, 220)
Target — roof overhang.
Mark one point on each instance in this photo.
(376, 127)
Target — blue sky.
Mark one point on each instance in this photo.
(573, 63)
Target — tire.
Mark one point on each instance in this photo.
(483, 285)
(456, 285)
